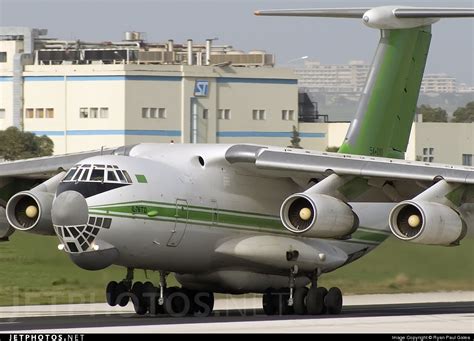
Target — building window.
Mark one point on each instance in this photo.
(84, 112)
(428, 154)
(29, 113)
(161, 112)
(2, 114)
(145, 112)
(288, 115)
(39, 113)
(94, 112)
(3, 57)
(49, 113)
(104, 112)
(205, 114)
(224, 114)
(467, 159)
(258, 115)
(153, 112)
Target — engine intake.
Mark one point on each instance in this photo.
(31, 211)
(318, 215)
(427, 223)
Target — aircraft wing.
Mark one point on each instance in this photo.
(45, 167)
(288, 161)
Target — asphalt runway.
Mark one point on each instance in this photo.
(431, 317)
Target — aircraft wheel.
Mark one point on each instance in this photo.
(137, 298)
(203, 303)
(315, 301)
(324, 293)
(333, 301)
(299, 301)
(123, 296)
(268, 302)
(111, 293)
(177, 303)
(281, 298)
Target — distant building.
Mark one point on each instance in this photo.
(85, 95)
(438, 84)
(348, 80)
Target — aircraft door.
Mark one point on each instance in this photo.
(180, 223)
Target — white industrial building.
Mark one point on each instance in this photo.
(85, 95)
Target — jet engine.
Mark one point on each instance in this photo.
(427, 223)
(318, 215)
(31, 210)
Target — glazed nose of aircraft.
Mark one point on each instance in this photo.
(69, 209)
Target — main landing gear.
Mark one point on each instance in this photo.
(302, 301)
(147, 298)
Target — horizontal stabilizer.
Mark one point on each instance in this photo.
(433, 12)
(384, 17)
(355, 13)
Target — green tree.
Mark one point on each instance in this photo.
(16, 145)
(432, 114)
(295, 139)
(464, 114)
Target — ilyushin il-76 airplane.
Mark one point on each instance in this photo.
(245, 218)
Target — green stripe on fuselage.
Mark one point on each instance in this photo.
(207, 216)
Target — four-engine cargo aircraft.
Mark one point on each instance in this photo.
(250, 218)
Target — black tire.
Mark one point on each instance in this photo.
(281, 298)
(149, 294)
(268, 302)
(137, 298)
(111, 293)
(315, 301)
(203, 303)
(324, 292)
(333, 301)
(299, 301)
(123, 296)
(177, 302)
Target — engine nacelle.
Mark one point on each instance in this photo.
(427, 223)
(31, 211)
(384, 18)
(6, 229)
(318, 215)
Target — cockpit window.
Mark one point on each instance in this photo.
(97, 175)
(129, 179)
(70, 174)
(111, 176)
(85, 174)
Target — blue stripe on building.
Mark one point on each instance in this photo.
(130, 132)
(149, 78)
(266, 134)
(6, 79)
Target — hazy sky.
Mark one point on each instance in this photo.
(233, 22)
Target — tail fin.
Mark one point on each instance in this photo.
(387, 106)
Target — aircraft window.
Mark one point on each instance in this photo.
(111, 176)
(120, 176)
(70, 174)
(85, 174)
(86, 165)
(129, 179)
(97, 175)
(76, 176)
(99, 166)
(109, 166)
(116, 167)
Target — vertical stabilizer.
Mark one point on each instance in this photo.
(387, 106)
